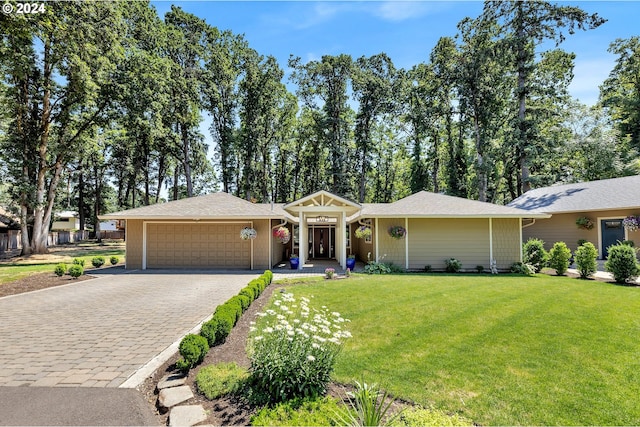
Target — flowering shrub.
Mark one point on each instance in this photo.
(329, 272)
(397, 232)
(292, 350)
(631, 223)
(248, 233)
(363, 232)
(282, 234)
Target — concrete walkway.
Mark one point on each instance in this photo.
(112, 331)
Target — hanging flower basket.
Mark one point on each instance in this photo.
(248, 233)
(584, 223)
(363, 232)
(631, 223)
(282, 234)
(397, 232)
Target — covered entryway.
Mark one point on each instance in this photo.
(196, 245)
(612, 232)
(322, 226)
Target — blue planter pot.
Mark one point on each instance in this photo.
(351, 263)
(295, 263)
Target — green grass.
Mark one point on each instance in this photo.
(500, 350)
(11, 271)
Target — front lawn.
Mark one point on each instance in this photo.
(11, 270)
(500, 350)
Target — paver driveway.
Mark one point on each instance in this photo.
(97, 333)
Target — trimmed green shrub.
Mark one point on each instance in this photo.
(559, 257)
(480, 268)
(60, 270)
(586, 259)
(452, 265)
(523, 268)
(114, 260)
(225, 320)
(298, 412)
(429, 417)
(428, 268)
(97, 261)
(232, 308)
(218, 380)
(249, 292)
(245, 301)
(629, 243)
(622, 263)
(193, 349)
(268, 275)
(533, 253)
(208, 330)
(78, 261)
(76, 271)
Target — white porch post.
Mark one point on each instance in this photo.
(343, 240)
(406, 244)
(491, 240)
(377, 241)
(303, 245)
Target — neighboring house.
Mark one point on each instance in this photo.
(111, 225)
(9, 231)
(598, 206)
(204, 232)
(65, 221)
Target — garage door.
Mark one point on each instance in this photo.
(197, 245)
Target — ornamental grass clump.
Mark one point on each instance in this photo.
(292, 350)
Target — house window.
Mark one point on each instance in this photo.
(348, 232)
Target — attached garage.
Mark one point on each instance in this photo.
(196, 245)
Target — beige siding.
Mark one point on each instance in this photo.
(261, 244)
(506, 241)
(432, 241)
(391, 250)
(360, 247)
(562, 228)
(133, 232)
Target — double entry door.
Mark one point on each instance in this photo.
(322, 242)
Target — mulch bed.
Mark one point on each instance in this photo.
(38, 281)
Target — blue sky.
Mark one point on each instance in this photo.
(405, 30)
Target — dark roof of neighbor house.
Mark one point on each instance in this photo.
(8, 221)
(209, 206)
(424, 204)
(419, 205)
(605, 194)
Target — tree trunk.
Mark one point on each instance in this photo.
(81, 198)
(186, 159)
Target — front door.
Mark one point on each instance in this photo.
(612, 233)
(322, 242)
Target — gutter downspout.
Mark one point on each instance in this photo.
(533, 221)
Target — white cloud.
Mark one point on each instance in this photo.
(401, 10)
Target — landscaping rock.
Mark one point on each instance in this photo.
(187, 415)
(170, 397)
(172, 380)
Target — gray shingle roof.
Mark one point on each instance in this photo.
(216, 205)
(425, 204)
(606, 194)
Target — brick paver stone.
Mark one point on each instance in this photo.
(100, 332)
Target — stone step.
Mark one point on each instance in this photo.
(171, 380)
(170, 397)
(188, 415)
